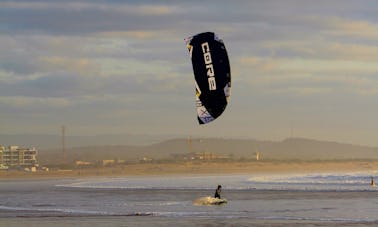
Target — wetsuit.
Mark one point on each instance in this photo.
(217, 193)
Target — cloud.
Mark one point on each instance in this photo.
(22, 102)
(134, 34)
(81, 66)
(353, 28)
(310, 76)
(112, 6)
(82, 17)
(122, 63)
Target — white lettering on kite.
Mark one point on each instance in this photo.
(209, 66)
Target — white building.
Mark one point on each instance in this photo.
(17, 156)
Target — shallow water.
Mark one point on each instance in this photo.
(312, 199)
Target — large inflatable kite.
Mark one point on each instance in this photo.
(212, 75)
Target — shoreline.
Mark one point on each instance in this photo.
(200, 168)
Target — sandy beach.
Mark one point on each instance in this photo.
(190, 168)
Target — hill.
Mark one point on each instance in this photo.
(43, 141)
(288, 149)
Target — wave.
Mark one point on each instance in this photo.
(358, 181)
(56, 210)
(314, 178)
(6, 211)
(208, 201)
(319, 219)
(64, 212)
(44, 205)
(163, 183)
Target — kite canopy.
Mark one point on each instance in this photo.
(212, 75)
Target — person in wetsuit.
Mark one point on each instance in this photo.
(372, 183)
(218, 191)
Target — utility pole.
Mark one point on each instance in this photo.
(64, 143)
(190, 145)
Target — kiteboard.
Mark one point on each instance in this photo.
(208, 201)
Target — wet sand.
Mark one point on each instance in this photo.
(190, 168)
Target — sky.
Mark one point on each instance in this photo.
(300, 68)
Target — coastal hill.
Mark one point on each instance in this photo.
(239, 149)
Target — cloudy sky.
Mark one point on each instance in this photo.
(299, 68)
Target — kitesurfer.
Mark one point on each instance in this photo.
(218, 191)
(372, 182)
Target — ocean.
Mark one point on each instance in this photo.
(331, 199)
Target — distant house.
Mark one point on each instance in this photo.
(257, 156)
(146, 159)
(108, 162)
(201, 156)
(18, 157)
(83, 163)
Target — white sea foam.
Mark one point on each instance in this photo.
(206, 201)
(323, 181)
(292, 218)
(204, 182)
(57, 210)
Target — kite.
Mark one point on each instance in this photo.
(212, 75)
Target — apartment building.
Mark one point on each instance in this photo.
(18, 156)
